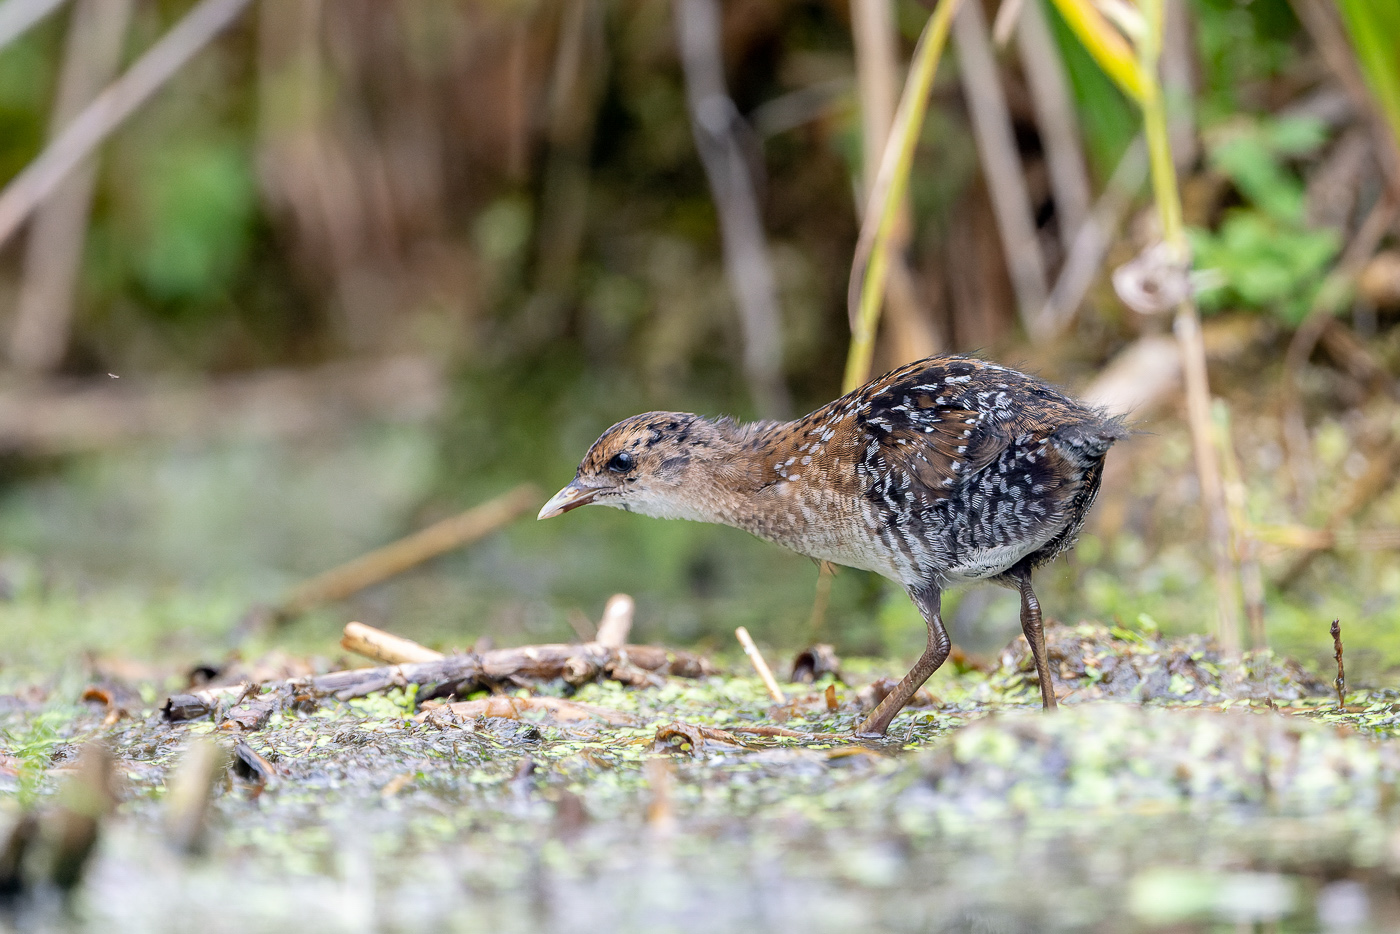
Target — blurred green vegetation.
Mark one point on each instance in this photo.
(445, 186)
(1241, 47)
(1373, 26)
(1265, 254)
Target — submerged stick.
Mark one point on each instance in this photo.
(1341, 682)
(14, 883)
(765, 674)
(762, 730)
(190, 792)
(84, 803)
(383, 563)
(512, 707)
(661, 810)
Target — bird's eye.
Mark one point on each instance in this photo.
(621, 463)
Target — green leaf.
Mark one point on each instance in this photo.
(1251, 155)
(1294, 136)
(1264, 263)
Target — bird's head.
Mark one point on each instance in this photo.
(644, 464)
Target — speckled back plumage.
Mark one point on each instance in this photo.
(948, 469)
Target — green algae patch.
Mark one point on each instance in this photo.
(1167, 806)
(1091, 662)
(1116, 757)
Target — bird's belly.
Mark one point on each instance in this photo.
(854, 533)
(982, 563)
(867, 556)
(973, 557)
(843, 531)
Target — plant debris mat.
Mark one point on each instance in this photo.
(1169, 790)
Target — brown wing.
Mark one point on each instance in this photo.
(922, 425)
(940, 449)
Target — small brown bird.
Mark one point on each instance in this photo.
(947, 470)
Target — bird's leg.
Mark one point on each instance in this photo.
(928, 601)
(1035, 637)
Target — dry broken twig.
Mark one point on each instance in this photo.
(396, 650)
(617, 621)
(248, 716)
(456, 674)
(1341, 682)
(385, 646)
(408, 552)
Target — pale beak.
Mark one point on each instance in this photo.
(571, 497)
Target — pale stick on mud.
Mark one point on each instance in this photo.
(765, 674)
(617, 621)
(385, 646)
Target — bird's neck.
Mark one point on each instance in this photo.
(729, 473)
